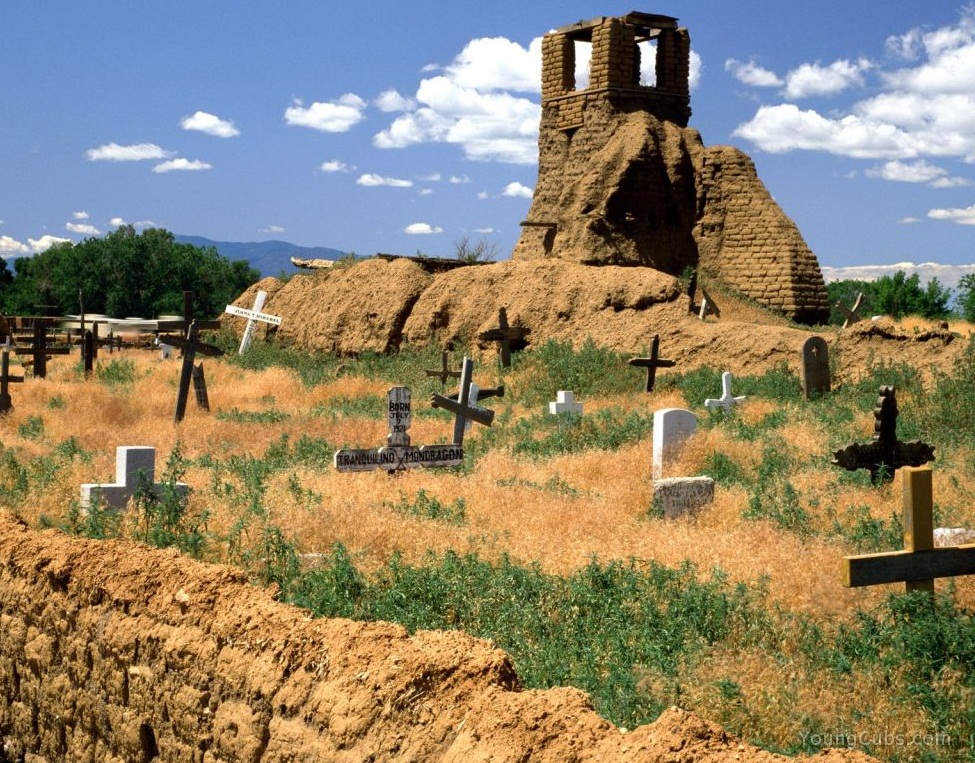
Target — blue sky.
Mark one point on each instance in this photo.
(405, 127)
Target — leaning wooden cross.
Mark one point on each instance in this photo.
(852, 314)
(920, 562)
(461, 406)
(253, 316)
(653, 362)
(190, 346)
(398, 454)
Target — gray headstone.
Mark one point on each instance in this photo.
(671, 428)
(678, 496)
(815, 367)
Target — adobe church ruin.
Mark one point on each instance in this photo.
(622, 179)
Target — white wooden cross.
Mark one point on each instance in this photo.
(132, 462)
(564, 402)
(398, 454)
(253, 315)
(727, 400)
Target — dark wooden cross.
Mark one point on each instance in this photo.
(89, 348)
(852, 314)
(190, 346)
(920, 562)
(885, 454)
(505, 335)
(183, 324)
(461, 407)
(5, 378)
(444, 372)
(398, 454)
(200, 387)
(39, 349)
(653, 362)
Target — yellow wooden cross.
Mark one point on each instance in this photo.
(920, 562)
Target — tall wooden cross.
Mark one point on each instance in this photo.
(444, 372)
(920, 562)
(183, 324)
(885, 454)
(504, 335)
(6, 378)
(39, 349)
(398, 454)
(253, 316)
(653, 362)
(190, 346)
(461, 406)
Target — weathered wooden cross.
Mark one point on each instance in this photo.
(134, 464)
(39, 349)
(253, 316)
(885, 454)
(504, 335)
(444, 372)
(852, 314)
(461, 405)
(190, 346)
(188, 319)
(6, 378)
(920, 562)
(398, 454)
(653, 362)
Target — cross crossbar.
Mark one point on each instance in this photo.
(653, 362)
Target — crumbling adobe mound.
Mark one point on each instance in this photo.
(113, 651)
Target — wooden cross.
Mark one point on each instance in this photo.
(134, 464)
(181, 324)
(461, 406)
(727, 400)
(653, 362)
(920, 562)
(504, 335)
(398, 454)
(253, 316)
(39, 349)
(885, 454)
(444, 371)
(190, 346)
(5, 379)
(852, 314)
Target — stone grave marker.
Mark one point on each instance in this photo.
(679, 496)
(131, 462)
(564, 402)
(653, 362)
(920, 563)
(461, 406)
(727, 401)
(815, 367)
(398, 453)
(505, 335)
(885, 454)
(852, 314)
(253, 316)
(672, 427)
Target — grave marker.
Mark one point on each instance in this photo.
(39, 349)
(815, 367)
(5, 378)
(564, 402)
(253, 316)
(653, 362)
(190, 346)
(852, 314)
(920, 562)
(444, 371)
(132, 462)
(398, 454)
(708, 306)
(461, 406)
(504, 335)
(677, 496)
(727, 400)
(672, 427)
(885, 454)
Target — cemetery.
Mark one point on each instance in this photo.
(573, 506)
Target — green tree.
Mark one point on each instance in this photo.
(966, 297)
(899, 295)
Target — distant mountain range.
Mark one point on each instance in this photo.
(271, 258)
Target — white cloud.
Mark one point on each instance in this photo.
(425, 191)
(80, 215)
(118, 222)
(113, 152)
(518, 191)
(816, 80)
(421, 229)
(908, 220)
(483, 195)
(485, 231)
(181, 165)
(903, 172)
(210, 124)
(391, 100)
(273, 229)
(83, 228)
(340, 115)
(10, 247)
(964, 216)
(42, 244)
(496, 63)
(433, 177)
(459, 179)
(371, 180)
(948, 275)
(751, 74)
(335, 165)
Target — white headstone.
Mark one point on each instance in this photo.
(727, 400)
(130, 462)
(678, 496)
(671, 429)
(564, 403)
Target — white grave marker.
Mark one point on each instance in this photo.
(564, 403)
(253, 316)
(727, 400)
(131, 461)
(671, 429)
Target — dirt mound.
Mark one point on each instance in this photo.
(112, 651)
(383, 305)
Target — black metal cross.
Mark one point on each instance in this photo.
(653, 362)
(504, 335)
(885, 454)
